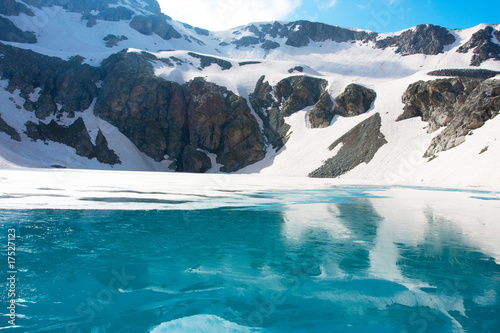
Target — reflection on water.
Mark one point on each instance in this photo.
(315, 261)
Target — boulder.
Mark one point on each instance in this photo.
(355, 100)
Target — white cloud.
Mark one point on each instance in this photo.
(225, 14)
(328, 4)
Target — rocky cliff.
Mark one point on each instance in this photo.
(461, 105)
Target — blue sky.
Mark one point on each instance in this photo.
(376, 15)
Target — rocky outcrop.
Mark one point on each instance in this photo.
(322, 113)
(195, 160)
(270, 45)
(355, 100)
(14, 8)
(113, 40)
(359, 145)
(164, 118)
(483, 45)
(246, 41)
(10, 33)
(438, 101)
(460, 104)
(471, 73)
(9, 130)
(221, 122)
(299, 34)
(76, 136)
(147, 25)
(290, 95)
(87, 6)
(481, 105)
(115, 14)
(207, 61)
(425, 39)
(68, 84)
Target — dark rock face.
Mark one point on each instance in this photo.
(246, 41)
(438, 101)
(207, 61)
(359, 145)
(222, 123)
(76, 136)
(202, 32)
(9, 130)
(10, 33)
(147, 25)
(291, 95)
(460, 104)
(355, 100)
(14, 8)
(164, 118)
(134, 100)
(299, 34)
(112, 40)
(426, 39)
(79, 6)
(481, 105)
(115, 14)
(270, 45)
(68, 83)
(322, 113)
(483, 46)
(195, 160)
(471, 73)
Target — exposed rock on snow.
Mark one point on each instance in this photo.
(460, 104)
(437, 101)
(322, 113)
(10, 33)
(355, 100)
(147, 25)
(12, 7)
(67, 83)
(9, 130)
(207, 61)
(290, 95)
(76, 136)
(481, 105)
(483, 46)
(426, 39)
(472, 73)
(359, 145)
(162, 117)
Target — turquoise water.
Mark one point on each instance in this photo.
(311, 261)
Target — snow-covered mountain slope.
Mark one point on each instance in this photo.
(181, 98)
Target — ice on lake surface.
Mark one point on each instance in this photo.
(344, 259)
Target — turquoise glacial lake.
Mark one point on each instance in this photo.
(353, 259)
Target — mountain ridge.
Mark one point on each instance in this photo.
(189, 98)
